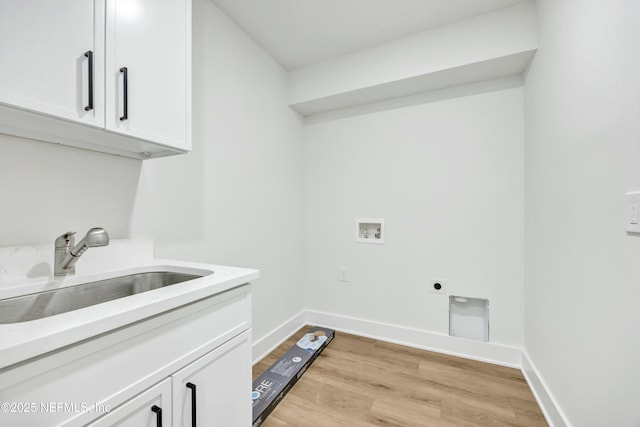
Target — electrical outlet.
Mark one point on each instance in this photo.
(343, 275)
(438, 286)
(632, 212)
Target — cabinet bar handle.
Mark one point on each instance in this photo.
(125, 94)
(89, 55)
(192, 386)
(158, 411)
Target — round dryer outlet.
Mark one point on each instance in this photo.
(438, 286)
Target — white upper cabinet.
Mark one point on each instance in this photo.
(147, 46)
(47, 50)
(107, 75)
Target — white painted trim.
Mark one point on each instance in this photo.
(271, 341)
(549, 405)
(498, 354)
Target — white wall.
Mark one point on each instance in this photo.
(237, 198)
(48, 189)
(582, 120)
(447, 177)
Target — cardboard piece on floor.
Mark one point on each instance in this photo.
(275, 383)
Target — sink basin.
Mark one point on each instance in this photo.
(50, 303)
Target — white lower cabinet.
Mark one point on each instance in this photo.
(151, 408)
(212, 391)
(117, 378)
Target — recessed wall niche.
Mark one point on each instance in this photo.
(370, 231)
(469, 318)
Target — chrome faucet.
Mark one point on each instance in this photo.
(67, 254)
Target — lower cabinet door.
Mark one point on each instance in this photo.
(215, 390)
(151, 408)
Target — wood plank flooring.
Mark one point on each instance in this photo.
(359, 381)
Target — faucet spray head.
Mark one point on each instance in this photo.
(95, 237)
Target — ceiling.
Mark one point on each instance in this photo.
(302, 32)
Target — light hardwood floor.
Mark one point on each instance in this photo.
(359, 381)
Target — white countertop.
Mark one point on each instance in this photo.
(24, 340)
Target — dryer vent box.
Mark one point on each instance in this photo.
(469, 318)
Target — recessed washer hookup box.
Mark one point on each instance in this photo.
(273, 385)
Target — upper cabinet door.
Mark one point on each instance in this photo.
(148, 72)
(47, 49)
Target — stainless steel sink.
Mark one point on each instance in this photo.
(50, 303)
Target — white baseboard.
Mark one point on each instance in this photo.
(483, 351)
(270, 342)
(552, 412)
